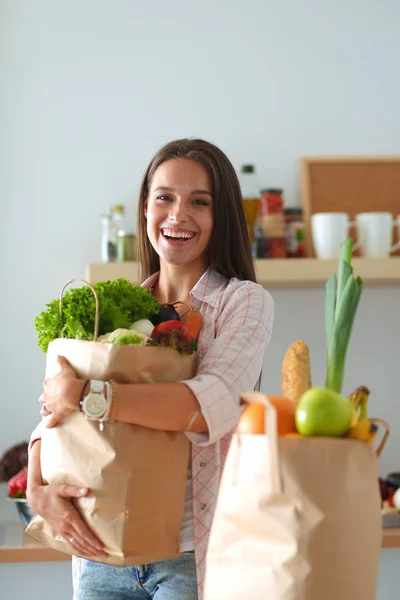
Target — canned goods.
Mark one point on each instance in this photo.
(294, 232)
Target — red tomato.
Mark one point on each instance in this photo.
(171, 327)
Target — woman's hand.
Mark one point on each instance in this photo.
(53, 503)
(61, 394)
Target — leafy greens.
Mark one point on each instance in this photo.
(120, 304)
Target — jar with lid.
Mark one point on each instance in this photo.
(272, 219)
(108, 239)
(294, 232)
(113, 233)
(251, 197)
(118, 215)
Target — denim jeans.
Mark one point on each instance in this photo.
(173, 579)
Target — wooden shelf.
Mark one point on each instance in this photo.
(287, 272)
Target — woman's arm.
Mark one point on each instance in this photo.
(53, 503)
(164, 406)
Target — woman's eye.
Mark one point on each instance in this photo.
(200, 201)
(163, 197)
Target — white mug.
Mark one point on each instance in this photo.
(329, 230)
(376, 233)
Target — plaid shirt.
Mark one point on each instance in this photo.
(238, 318)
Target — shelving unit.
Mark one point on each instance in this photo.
(275, 273)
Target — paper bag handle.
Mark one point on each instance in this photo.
(383, 441)
(271, 430)
(96, 316)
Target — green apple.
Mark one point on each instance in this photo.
(323, 412)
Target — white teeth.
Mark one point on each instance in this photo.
(186, 235)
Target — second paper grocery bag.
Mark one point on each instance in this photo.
(296, 519)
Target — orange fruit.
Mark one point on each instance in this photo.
(252, 419)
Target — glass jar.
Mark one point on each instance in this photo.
(113, 233)
(294, 232)
(108, 239)
(272, 219)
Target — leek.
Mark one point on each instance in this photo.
(342, 296)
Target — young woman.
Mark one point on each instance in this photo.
(193, 245)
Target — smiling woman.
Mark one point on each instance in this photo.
(179, 214)
(193, 246)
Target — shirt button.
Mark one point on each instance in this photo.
(203, 506)
(202, 464)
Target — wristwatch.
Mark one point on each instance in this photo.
(96, 405)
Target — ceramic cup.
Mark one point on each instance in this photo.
(375, 230)
(328, 231)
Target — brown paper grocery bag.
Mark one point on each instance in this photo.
(296, 519)
(137, 476)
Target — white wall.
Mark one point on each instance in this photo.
(90, 89)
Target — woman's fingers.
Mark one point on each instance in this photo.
(77, 533)
(83, 546)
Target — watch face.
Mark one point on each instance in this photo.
(94, 405)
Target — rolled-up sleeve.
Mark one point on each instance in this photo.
(35, 435)
(233, 361)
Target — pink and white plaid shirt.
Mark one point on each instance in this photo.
(237, 328)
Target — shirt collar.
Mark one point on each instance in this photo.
(207, 289)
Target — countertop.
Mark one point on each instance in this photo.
(16, 546)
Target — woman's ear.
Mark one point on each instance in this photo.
(145, 210)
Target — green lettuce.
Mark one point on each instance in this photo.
(120, 304)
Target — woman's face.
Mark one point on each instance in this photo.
(179, 212)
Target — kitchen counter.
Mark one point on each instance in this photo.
(17, 546)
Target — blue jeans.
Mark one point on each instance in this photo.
(173, 579)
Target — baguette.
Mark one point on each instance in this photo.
(296, 371)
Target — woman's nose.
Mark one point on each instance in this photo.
(178, 212)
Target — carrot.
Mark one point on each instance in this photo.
(193, 320)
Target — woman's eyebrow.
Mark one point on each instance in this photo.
(168, 189)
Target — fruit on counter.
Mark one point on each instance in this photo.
(296, 371)
(383, 489)
(393, 480)
(17, 485)
(342, 296)
(252, 419)
(172, 334)
(323, 412)
(13, 460)
(396, 499)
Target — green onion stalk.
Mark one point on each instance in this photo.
(342, 295)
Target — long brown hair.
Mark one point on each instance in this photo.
(229, 251)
